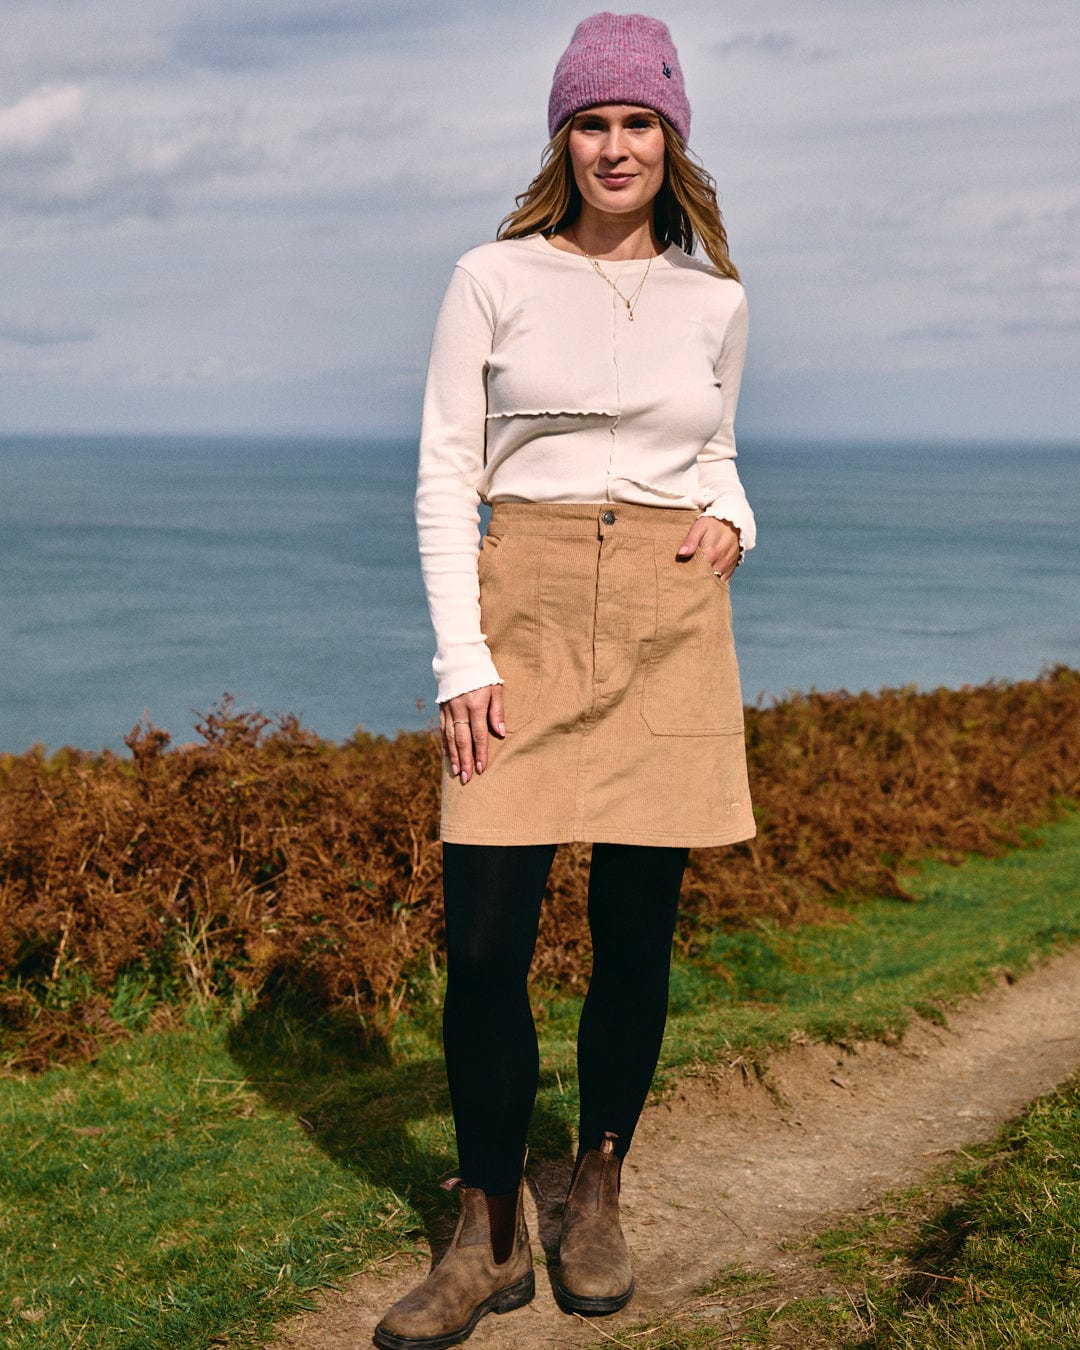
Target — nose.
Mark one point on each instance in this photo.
(614, 145)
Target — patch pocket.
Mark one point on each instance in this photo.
(691, 681)
(509, 569)
(489, 546)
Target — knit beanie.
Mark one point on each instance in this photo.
(620, 58)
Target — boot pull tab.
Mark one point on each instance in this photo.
(450, 1184)
(607, 1144)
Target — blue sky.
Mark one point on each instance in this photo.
(226, 215)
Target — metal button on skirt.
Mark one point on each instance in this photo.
(624, 719)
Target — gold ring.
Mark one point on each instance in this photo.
(460, 722)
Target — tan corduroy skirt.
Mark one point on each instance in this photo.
(624, 720)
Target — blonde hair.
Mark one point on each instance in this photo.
(685, 211)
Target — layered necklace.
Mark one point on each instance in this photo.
(629, 301)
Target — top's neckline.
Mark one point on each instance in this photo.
(542, 242)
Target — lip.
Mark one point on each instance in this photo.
(615, 180)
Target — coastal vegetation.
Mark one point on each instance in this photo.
(221, 993)
(264, 864)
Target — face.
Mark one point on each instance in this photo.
(617, 155)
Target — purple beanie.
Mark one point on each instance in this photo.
(620, 58)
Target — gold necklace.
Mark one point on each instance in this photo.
(601, 273)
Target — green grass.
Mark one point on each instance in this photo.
(155, 1200)
(196, 1184)
(749, 990)
(996, 1264)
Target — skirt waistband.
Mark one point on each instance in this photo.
(590, 519)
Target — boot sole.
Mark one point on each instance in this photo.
(506, 1300)
(596, 1306)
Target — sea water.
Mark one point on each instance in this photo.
(153, 574)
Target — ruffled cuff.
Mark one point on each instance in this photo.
(459, 677)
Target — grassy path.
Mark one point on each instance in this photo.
(198, 1182)
(981, 1253)
(729, 1172)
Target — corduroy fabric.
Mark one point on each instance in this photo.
(623, 710)
(620, 58)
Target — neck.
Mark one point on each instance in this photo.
(615, 238)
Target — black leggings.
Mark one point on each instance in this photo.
(493, 895)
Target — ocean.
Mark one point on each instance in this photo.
(154, 574)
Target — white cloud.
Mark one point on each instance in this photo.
(250, 200)
(36, 119)
(200, 372)
(773, 45)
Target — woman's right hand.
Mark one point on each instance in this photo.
(465, 722)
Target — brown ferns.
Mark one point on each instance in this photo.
(264, 859)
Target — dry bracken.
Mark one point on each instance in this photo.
(263, 858)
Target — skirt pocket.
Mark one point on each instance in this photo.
(509, 569)
(691, 682)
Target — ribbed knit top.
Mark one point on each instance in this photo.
(541, 389)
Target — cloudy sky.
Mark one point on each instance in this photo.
(240, 214)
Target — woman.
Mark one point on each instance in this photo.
(583, 380)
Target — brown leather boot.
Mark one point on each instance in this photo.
(466, 1284)
(594, 1264)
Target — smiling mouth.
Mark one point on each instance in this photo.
(615, 179)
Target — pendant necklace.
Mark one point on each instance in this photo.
(632, 301)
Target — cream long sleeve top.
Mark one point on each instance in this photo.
(541, 389)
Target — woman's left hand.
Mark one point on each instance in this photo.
(718, 540)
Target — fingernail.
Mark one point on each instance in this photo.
(479, 766)
(464, 775)
(454, 771)
(685, 551)
(502, 728)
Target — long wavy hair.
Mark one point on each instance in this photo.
(685, 211)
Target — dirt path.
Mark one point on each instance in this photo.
(725, 1170)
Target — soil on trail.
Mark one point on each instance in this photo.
(728, 1170)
